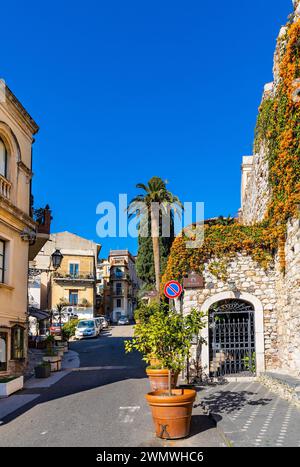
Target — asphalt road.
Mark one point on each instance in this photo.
(100, 404)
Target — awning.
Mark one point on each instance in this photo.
(38, 314)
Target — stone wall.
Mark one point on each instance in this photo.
(282, 307)
(278, 293)
(255, 189)
(256, 193)
(288, 305)
(251, 281)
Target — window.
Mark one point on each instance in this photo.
(17, 343)
(119, 288)
(74, 269)
(3, 159)
(73, 297)
(119, 303)
(3, 351)
(2, 260)
(119, 272)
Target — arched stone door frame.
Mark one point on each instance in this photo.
(258, 322)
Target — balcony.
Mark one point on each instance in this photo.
(118, 262)
(67, 277)
(5, 186)
(119, 292)
(42, 217)
(118, 275)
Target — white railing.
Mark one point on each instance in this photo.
(5, 187)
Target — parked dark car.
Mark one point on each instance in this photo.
(123, 321)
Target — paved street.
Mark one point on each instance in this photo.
(250, 414)
(99, 404)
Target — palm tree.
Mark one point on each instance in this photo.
(156, 192)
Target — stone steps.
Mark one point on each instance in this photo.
(285, 385)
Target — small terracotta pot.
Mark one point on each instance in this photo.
(159, 379)
(172, 414)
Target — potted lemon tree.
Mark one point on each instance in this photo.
(172, 408)
(168, 335)
(147, 338)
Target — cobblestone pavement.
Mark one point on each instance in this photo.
(249, 414)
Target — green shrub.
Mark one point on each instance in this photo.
(168, 335)
(144, 311)
(68, 329)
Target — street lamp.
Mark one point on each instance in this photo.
(56, 258)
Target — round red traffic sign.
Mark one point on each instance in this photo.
(172, 289)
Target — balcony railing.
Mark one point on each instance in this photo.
(118, 292)
(73, 277)
(118, 262)
(120, 276)
(5, 186)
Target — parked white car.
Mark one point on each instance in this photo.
(98, 324)
(86, 328)
(104, 322)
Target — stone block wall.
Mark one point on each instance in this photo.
(277, 292)
(251, 281)
(288, 306)
(256, 191)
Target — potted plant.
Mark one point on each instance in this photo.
(147, 338)
(10, 384)
(43, 370)
(172, 408)
(50, 342)
(68, 331)
(54, 359)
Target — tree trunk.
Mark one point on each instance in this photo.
(156, 252)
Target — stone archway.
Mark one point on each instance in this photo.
(259, 327)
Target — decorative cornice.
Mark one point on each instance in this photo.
(22, 112)
(17, 213)
(23, 167)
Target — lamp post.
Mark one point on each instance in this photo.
(55, 259)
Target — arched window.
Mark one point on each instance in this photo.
(17, 342)
(3, 159)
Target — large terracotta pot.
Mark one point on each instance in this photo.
(172, 414)
(159, 379)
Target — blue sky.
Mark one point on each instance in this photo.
(124, 90)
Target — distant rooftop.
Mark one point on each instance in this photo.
(121, 253)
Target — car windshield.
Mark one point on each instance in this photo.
(86, 324)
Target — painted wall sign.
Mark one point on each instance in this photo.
(193, 281)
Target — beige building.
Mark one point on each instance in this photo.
(103, 288)
(74, 282)
(20, 235)
(123, 283)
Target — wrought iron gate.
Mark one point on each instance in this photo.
(231, 338)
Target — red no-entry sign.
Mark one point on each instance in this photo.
(172, 289)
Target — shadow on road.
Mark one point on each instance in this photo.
(230, 401)
(95, 355)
